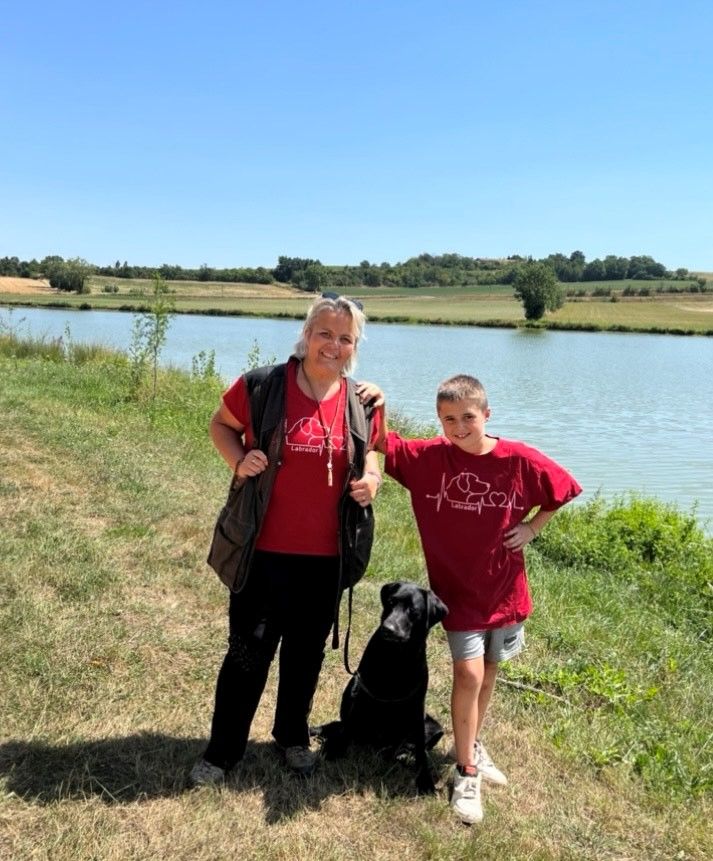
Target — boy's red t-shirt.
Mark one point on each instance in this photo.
(303, 514)
(464, 504)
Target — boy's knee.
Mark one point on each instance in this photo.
(468, 674)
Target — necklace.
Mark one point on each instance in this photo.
(327, 431)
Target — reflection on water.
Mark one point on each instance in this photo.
(622, 412)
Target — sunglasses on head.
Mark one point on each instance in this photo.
(330, 294)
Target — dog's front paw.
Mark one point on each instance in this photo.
(335, 741)
(425, 784)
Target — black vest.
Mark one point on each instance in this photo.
(240, 518)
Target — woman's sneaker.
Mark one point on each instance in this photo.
(204, 773)
(487, 767)
(465, 797)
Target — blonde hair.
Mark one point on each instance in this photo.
(459, 387)
(340, 305)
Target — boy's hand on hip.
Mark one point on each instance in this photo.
(520, 535)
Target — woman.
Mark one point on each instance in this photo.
(304, 472)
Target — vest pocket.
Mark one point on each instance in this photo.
(234, 535)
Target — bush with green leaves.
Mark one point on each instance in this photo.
(660, 550)
(536, 286)
(70, 275)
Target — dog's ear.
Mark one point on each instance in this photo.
(437, 610)
(388, 590)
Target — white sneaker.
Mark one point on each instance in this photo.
(465, 798)
(487, 767)
(204, 773)
(484, 764)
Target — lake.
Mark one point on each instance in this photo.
(622, 412)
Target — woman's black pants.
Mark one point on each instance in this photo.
(288, 598)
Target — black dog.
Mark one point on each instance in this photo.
(383, 705)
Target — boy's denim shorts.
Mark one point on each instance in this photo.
(495, 645)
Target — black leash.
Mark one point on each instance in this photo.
(349, 631)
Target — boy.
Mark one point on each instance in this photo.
(471, 493)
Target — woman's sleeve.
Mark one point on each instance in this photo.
(237, 401)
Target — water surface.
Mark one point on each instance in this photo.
(623, 412)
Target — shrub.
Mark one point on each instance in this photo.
(70, 276)
(536, 286)
(657, 548)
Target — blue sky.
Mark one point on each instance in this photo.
(229, 133)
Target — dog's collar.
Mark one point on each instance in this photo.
(358, 679)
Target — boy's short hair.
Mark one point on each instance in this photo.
(459, 387)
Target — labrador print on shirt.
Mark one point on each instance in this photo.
(307, 436)
(466, 492)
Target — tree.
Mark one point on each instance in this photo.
(292, 268)
(70, 276)
(538, 290)
(149, 335)
(206, 273)
(615, 268)
(644, 266)
(315, 277)
(594, 271)
(564, 268)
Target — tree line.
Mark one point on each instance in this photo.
(425, 270)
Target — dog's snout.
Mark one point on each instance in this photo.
(393, 628)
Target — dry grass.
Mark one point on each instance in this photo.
(112, 633)
(25, 286)
(189, 290)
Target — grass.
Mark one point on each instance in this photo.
(485, 305)
(113, 628)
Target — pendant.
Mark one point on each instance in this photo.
(329, 474)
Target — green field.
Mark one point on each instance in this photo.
(685, 313)
(112, 629)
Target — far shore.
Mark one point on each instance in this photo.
(673, 313)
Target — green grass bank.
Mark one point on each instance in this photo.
(112, 630)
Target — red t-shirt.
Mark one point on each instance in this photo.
(303, 514)
(464, 503)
